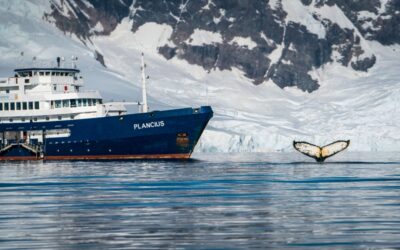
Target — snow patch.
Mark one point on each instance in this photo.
(98, 28)
(244, 42)
(298, 13)
(202, 37)
(274, 4)
(148, 37)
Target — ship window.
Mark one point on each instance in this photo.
(36, 105)
(1, 106)
(65, 103)
(35, 119)
(18, 106)
(41, 73)
(59, 117)
(24, 106)
(89, 102)
(23, 119)
(73, 103)
(79, 103)
(47, 118)
(11, 120)
(53, 73)
(58, 104)
(54, 87)
(84, 103)
(26, 80)
(30, 105)
(100, 101)
(7, 91)
(94, 102)
(6, 106)
(47, 73)
(12, 106)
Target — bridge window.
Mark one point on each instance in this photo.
(41, 73)
(6, 106)
(58, 104)
(12, 106)
(18, 106)
(65, 103)
(47, 73)
(30, 105)
(84, 103)
(89, 102)
(79, 103)
(24, 106)
(36, 105)
(1, 106)
(73, 103)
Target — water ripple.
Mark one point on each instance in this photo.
(216, 203)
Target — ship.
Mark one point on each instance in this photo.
(45, 114)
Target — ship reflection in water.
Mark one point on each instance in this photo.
(219, 201)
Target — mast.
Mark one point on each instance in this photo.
(144, 92)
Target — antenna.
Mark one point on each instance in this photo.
(74, 59)
(21, 59)
(144, 92)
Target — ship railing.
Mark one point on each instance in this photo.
(34, 148)
(43, 63)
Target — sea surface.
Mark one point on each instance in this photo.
(215, 201)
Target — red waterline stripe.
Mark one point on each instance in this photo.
(97, 157)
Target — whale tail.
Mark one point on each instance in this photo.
(320, 153)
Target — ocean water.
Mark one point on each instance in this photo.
(246, 201)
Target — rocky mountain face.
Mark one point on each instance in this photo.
(278, 40)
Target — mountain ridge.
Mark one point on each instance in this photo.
(274, 27)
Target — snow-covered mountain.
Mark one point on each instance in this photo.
(274, 71)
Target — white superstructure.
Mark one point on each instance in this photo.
(53, 93)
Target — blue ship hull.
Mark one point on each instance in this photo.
(170, 134)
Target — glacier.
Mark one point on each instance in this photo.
(360, 106)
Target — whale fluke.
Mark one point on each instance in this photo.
(320, 153)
